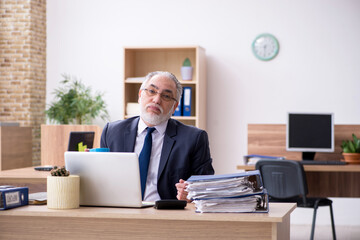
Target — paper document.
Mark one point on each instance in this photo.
(38, 198)
(253, 203)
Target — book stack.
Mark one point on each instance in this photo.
(239, 193)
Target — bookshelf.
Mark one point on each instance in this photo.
(139, 61)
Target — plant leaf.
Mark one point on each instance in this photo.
(352, 147)
(356, 143)
(187, 62)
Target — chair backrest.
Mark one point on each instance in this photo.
(283, 179)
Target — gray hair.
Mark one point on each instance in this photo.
(168, 75)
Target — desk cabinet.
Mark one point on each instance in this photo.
(55, 140)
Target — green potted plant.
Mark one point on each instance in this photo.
(63, 189)
(186, 70)
(75, 104)
(351, 150)
(73, 109)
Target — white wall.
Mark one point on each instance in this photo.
(317, 69)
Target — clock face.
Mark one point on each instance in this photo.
(265, 47)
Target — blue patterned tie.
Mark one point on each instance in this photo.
(144, 159)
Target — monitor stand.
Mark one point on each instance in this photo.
(308, 155)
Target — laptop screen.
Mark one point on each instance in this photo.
(79, 141)
(107, 178)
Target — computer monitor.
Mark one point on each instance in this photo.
(79, 141)
(310, 133)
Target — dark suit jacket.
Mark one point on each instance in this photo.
(185, 151)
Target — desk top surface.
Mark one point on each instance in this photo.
(317, 168)
(24, 173)
(276, 214)
(30, 173)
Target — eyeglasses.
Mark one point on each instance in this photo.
(167, 97)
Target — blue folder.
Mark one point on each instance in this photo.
(11, 197)
(178, 110)
(187, 101)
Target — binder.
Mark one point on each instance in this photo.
(252, 203)
(187, 101)
(11, 197)
(252, 176)
(179, 110)
(239, 192)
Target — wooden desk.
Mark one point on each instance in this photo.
(323, 181)
(25, 177)
(15, 147)
(30, 222)
(329, 180)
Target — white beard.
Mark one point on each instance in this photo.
(155, 119)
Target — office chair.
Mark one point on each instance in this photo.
(285, 181)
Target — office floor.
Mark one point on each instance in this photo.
(301, 232)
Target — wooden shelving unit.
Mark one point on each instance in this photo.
(139, 61)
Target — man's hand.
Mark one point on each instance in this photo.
(181, 193)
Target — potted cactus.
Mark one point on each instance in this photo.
(186, 70)
(63, 189)
(351, 150)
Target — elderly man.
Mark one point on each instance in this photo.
(169, 151)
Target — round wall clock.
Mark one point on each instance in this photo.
(265, 47)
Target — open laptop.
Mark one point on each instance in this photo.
(80, 140)
(109, 179)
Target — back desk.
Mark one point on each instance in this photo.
(328, 180)
(323, 181)
(25, 177)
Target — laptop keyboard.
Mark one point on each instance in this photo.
(311, 162)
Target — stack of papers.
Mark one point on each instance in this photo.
(253, 158)
(241, 192)
(235, 205)
(38, 198)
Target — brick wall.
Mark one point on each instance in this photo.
(23, 65)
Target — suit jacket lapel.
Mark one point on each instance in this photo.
(130, 136)
(167, 145)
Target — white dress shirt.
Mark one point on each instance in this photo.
(151, 193)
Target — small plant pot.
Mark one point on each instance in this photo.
(186, 73)
(63, 192)
(352, 158)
